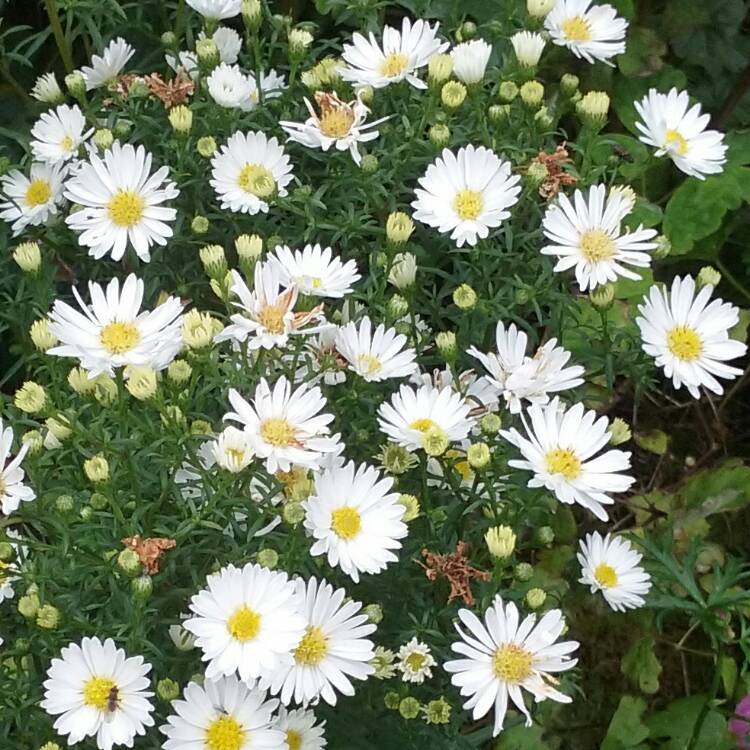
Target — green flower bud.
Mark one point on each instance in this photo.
(181, 119)
(544, 536)
(396, 460)
(374, 613)
(103, 139)
(465, 297)
(478, 455)
(411, 503)
(535, 598)
(532, 94)
(6, 552)
(169, 40)
(28, 257)
(398, 228)
(536, 174)
(293, 513)
(76, 84)
(539, 8)
(439, 135)
(179, 371)
(467, 30)
(619, 432)
(252, 14)
(98, 501)
(593, 108)
(446, 344)
(397, 306)
(268, 558)
(409, 708)
(28, 605)
(206, 146)
(602, 296)
(435, 442)
(490, 424)
(439, 68)
(167, 689)
(507, 91)
(48, 617)
(34, 440)
(208, 54)
(523, 572)
(50, 746)
(199, 225)
(122, 128)
(86, 513)
(214, 261)
(201, 427)
(452, 94)
(569, 84)
(30, 397)
(64, 504)
(708, 276)
(437, 711)
(391, 700)
(663, 248)
(141, 587)
(96, 468)
(543, 118)
(498, 113)
(129, 562)
(369, 164)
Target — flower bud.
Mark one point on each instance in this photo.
(467, 30)
(500, 541)
(391, 700)
(105, 389)
(181, 119)
(536, 174)
(199, 329)
(539, 8)
(544, 536)
(76, 84)
(201, 427)
(523, 572)
(439, 68)
(535, 598)
(214, 261)
(249, 248)
(663, 248)
(498, 113)
(96, 468)
(543, 118)
(369, 164)
(48, 617)
(30, 397)
(528, 48)
(365, 94)
(199, 225)
(409, 708)
(437, 711)
(122, 128)
(167, 689)
(299, 42)
(41, 336)
(206, 146)
(435, 442)
(179, 371)
(47, 90)
(397, 306)
(411, 503)
(507, 91)
(129, 562)
(374, 613)
(33, 440)
(602, 296)
(252, 14)
(490, 424)
(50, 746)
(532, 94)
(59, 427)
(592, 108)
(396, 460)
(169, 40)
(268, 558)
(708, 276)
(398, 228)
(619, 432)
(439, 135)
(28, 605)
(183, 639)
(403, 271)
(141, 382)
(452, 94)
(569, 84)
(293, 513)
(28, 257)
(478, 455)
(446, 344)
(64, 504)
(6, 552)
(208, 54)
(464, 297)
(141, 587)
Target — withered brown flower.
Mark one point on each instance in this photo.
(149, 550)
(455, 567)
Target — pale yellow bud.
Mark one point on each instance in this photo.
(500, 541)
(96, 469)
(141, 382)
(41, 335)
(28, 257)
(30, 397)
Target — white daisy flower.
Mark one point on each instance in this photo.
(227, 41)
(519, 377)
(216, 10)
(588, 236)
(676, 129)
(249, 171)
(560, 450)
(245, 621)
(466, 194)
(105, 69)
(355, 519)
(31, 201)
(528, 47)
(688, 336)
(285, 426)
(478, 391)
(58, 134)
(13, 491)
(113, 331)
(332, 650)
(267, 318)
(415, 661)
(222, 714)
(315, 271)
(501, 657)
(375, 355)
(232, 450)
(121, 203)
(339, 124)
(47, 90)
(611, 565)
(590, 32)
(300, 729)
(9, 570)
(470, 60)
(98, 691)
(229, 87)
(414, 413)
(399, 58)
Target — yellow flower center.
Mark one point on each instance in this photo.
(463, 468)
(336, 123)
(577, 29)
(368, 364)
(278, 432)
(293, 739)
(312, 648)
(684, 343)
(271, 317)
(98, 692)
(512, 663)
(258, 180)
(605, 575)
(3, 568)
(67, 143)
(225, 733)
(394, 64)
(346, 522)
(38, 193)
(563, 461)
(597, 245)
(244, 624)
(118, 338)
(125, 208)
(415, 661)
(422, 425)
(675, 138)
(468, 204)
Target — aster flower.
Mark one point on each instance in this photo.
(589, 237)
(560, 449)
(223, 714)
(300, 729)
(519, 377)
(245, 621)
(31, 201)
(105, 69)
(688, 335)
(216, 10)
(121, 203)
(375, 355)
(267, 316)
(232, 450)
(114, 332)
(478, 391)
(58, 134)
(229, 87)
(528, 47)
(590, 32)
(96, 690)
(610, 564)
(415, 661)
(502, 657)
(399, 57)
(677, 130)
(47, 90)
(249, 171)
(315, 271)
(470, 60)
(466, 194)
(355, 519)
(285, 426)
(13, 491)
(333, 649)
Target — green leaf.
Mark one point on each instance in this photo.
(641, 665)
(633, 290)
(626, 91)
(678, 723)
(654, 441)
(729, 673)
(644, 54)
(521, 737)
(626, 730)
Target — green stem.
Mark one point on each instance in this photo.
(732, 280)
(57, 31)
